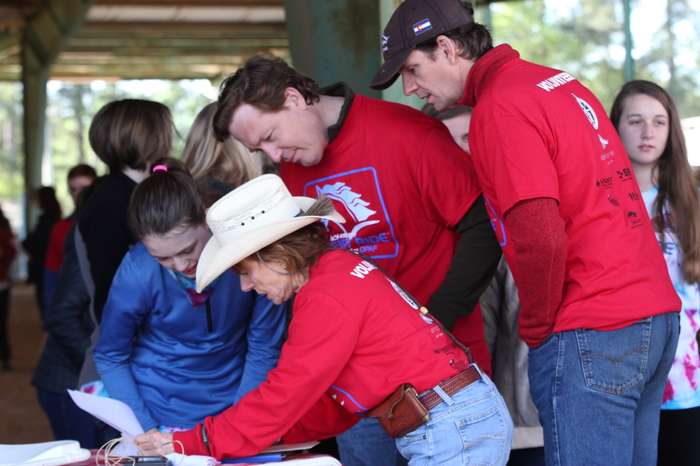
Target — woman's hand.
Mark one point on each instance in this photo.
(155, 442)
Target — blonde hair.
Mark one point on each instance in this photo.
(228, 162)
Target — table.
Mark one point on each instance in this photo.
(305, 459)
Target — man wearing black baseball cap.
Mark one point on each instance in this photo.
(597, 309)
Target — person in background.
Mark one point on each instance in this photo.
(647, 119)
(68, 327)
(218, 166)
(79, 177)
(221, 341)
(500, 307)
(424, 223)
(127, 135)
(597, 308)
(37, 242)
(355, 337)
(8, 252)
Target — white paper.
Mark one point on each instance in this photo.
(115, 414)
(126, 447)
(192, 460)
(43, 454)
(110, 411)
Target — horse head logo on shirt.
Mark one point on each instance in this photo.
(357, 195)
(354, 205)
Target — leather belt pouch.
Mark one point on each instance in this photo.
(401, 412)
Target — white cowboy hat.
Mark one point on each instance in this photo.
(252, 216)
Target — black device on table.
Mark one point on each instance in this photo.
(146, 461)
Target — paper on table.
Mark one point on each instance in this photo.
(113, 413)
(43, 454)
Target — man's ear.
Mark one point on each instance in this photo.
(293, 99)
(448, 48)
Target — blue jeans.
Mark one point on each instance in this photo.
(366, 444)
(599, 393)
(471, 427)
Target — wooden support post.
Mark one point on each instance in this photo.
(42, 40)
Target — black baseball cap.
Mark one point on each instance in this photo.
(414, 22)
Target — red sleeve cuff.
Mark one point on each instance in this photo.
(191, 441)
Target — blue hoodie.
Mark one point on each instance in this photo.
(158, 354)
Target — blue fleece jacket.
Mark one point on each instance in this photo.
(157, 353)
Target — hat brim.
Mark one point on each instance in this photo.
(389, 71)
(216, 257)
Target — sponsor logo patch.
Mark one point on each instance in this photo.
(588, 111)
(422, 26)
(407, 298)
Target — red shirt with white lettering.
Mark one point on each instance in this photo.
(537, 132)
(353, 339)
(402, 185)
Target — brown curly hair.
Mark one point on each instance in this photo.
(261, 82)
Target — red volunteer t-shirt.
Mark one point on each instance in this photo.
(537, 132)
(402, 185)
(354, 337)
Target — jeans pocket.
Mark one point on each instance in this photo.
(614, 361)
(484, 433)
(416, 446)
(420, 434)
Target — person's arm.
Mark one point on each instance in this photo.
(323, 420)
(125, 311)
(67, 318)
(322, 336)
(473, 266)
(538, 238)
(264, 336)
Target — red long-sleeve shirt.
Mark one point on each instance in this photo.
(353, 339)
(538, 134)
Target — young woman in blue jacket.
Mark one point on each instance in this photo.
(173, 355)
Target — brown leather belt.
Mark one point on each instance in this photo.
(431, 399)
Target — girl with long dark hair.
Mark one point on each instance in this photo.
(647, 119)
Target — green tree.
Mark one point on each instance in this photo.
(587, 40)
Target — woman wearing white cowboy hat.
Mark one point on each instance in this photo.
(355, 338)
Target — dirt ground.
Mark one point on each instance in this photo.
(21, 418)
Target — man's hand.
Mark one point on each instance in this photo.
(155, 442)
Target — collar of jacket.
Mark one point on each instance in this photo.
(484, 70)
